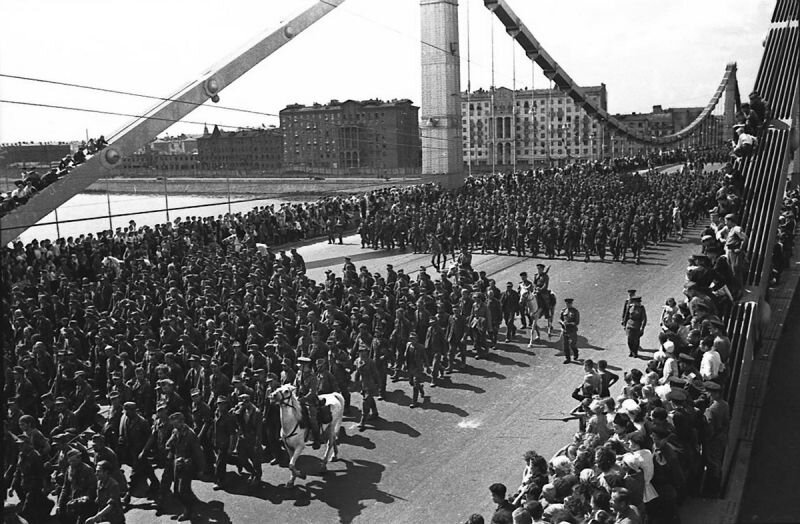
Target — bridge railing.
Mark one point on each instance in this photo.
(764, 186)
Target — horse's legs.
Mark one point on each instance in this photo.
(328, 448)
(293, 468)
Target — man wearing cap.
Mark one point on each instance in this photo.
(224, 438)
(66, 418)
(109, 506)
(79, 491)
(509, 304)
(248, 434)
(479, 322)
(570, 319)
(104, 453)
(306, 384)
(133, 434)
(184, 450)
(436, 348)
(631, 294)
(714, 438)
(368, 379)
(634, 325)
(416, 362)
(525, 287)
(201, 424)
(28, 482)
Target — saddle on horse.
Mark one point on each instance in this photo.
(545, 302)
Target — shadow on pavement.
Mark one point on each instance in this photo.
(583, 343)
(447, 383)
(505, 361)
(357, 440)
(480, 372)
(510, 348)
(346, 491)
(395, 426)
(444, 408)
(366, 255)
(212, 512)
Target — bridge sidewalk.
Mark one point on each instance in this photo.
(765, 476)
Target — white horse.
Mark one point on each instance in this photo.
(294, 436)
(537, 306)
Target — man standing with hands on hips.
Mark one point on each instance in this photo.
(570, 319)
(634, 325)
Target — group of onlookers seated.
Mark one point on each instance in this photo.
(32, 181)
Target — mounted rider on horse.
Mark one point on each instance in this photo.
(538, 301)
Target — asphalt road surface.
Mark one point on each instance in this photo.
(435, 463)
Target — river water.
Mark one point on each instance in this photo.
(89, 212)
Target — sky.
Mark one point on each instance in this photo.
(647, 52)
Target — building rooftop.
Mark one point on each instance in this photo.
(373, 102)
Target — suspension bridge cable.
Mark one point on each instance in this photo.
(402, 33)
(168, 99)
(469, 104)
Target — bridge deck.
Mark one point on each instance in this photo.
(435, 464)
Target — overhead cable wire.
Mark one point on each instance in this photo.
(168, 99)
(132, 115)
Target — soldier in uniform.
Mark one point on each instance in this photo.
(549, 238)
(600, 240)
(717, 421)
(337, 366)
(509, 304)
(224, 438)
(380, 353)
(368, 379)
(415, 363)
(634, 325)
(571, 239)
(133, 434)
(109, 505)
(248, 432)
(436, 348)
(201, 421)
(631, 294)
(28, 482)
(306, 384)
(479, 322)
(160, 433)
(455, 334)
(102, 452)
(185, 452)
(570, 319)
(76, 500)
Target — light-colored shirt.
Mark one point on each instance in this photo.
(711, 365)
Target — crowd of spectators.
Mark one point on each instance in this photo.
(32, 181)
(639, 454)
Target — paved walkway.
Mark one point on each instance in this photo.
(772, 490)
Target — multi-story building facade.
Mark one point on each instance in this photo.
(352, 134)
(661, 122)
(529, 127)
(171, 153)
(258, 149)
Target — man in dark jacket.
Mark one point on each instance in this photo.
(415, 363)
(509, 303)
(184, 449)
(369, 381)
